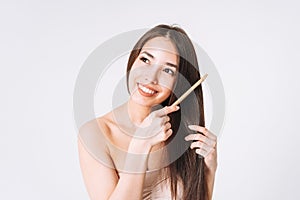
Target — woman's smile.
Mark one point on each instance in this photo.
(146, 90)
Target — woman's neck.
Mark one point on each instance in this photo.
(137, 113)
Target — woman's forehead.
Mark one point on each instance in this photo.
(160, 43)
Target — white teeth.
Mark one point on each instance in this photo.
(146, 90)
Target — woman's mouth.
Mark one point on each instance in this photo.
(146, 91)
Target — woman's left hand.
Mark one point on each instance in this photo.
(205, 144)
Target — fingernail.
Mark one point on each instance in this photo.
(177, 107)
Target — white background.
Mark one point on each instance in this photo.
(254, 45)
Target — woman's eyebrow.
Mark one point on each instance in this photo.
(172, 65)
(167, 63)
(148, 54)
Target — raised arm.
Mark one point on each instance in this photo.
(103, 182)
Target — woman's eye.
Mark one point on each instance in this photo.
(145, 60)
(169, 71)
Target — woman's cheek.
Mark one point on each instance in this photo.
(167, 81)
(135, 75)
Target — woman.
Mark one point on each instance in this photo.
(140, 149)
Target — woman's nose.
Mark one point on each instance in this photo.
(152, 74)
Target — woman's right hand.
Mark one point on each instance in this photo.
(156, 127)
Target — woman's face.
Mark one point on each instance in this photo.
(154, 72)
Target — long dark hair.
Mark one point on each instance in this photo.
(189, 168)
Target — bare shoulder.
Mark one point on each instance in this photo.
(94, 137)
(100, 125)
(107, 124)
(96, 164)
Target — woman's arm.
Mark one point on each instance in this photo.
(99, 179)
(103, 183)
(210, 178)
(211, 167)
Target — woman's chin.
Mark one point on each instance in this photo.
(144, 101)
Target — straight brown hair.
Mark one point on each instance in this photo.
(189, 168)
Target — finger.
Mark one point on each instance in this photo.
(200, 145)
(167, 134)
(202, 138)
(202, 152)
(167, 126)
(165, 120)
(203, 130)
(165, 111)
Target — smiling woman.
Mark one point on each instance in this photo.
(153, 73)
(139, 150)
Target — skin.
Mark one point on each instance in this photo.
(155, 69)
